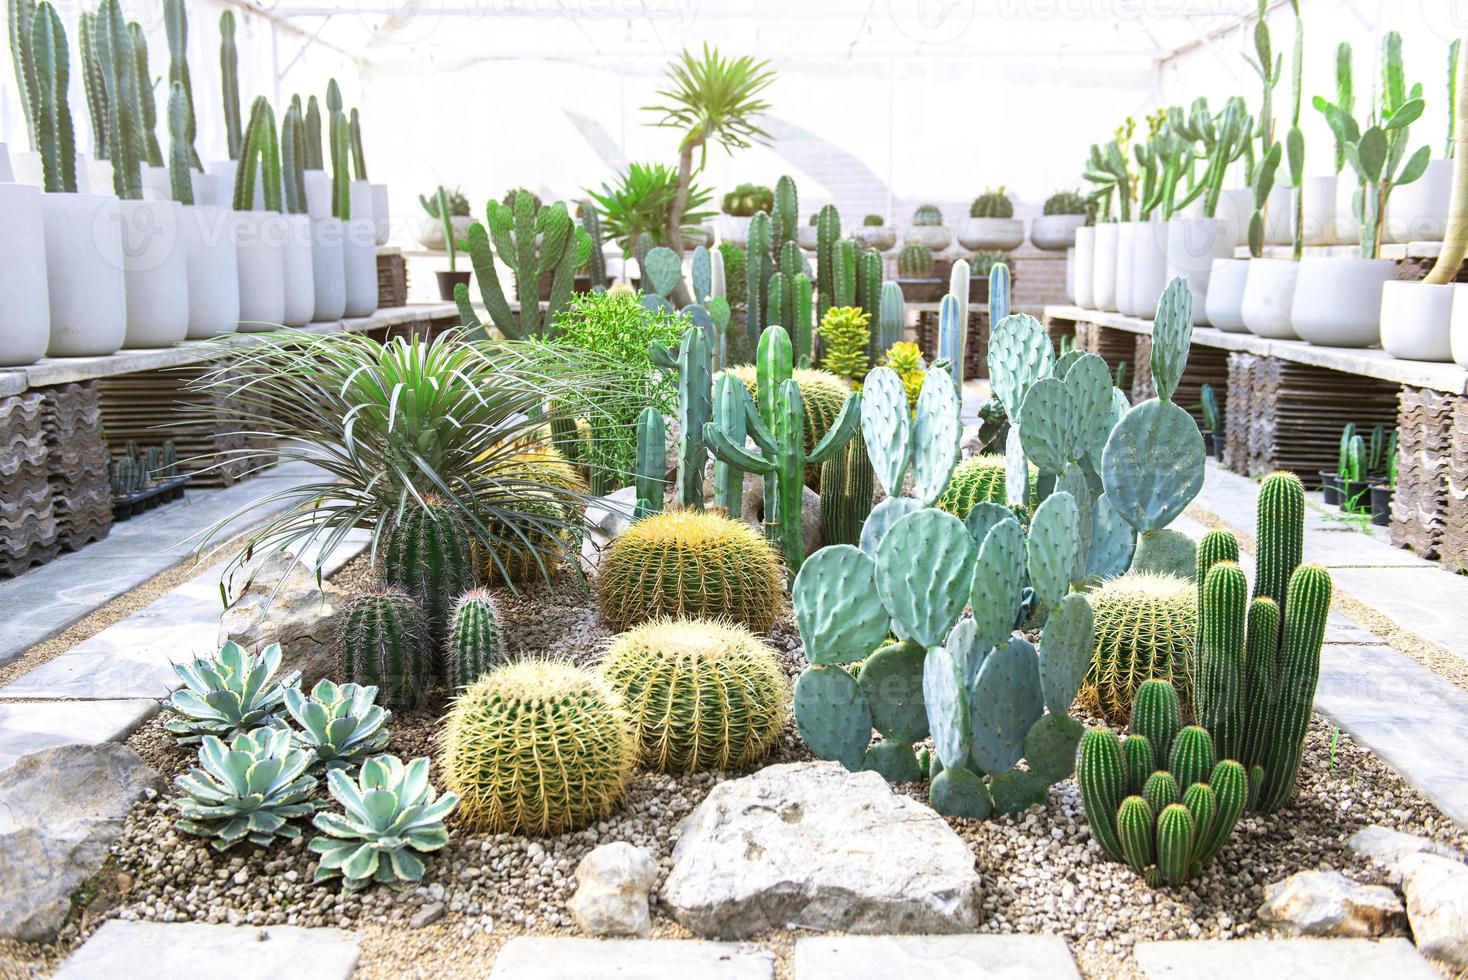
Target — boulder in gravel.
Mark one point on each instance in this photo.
(1327, 903)
(1437, 906)
(1386, 846)
(612, 883)
(809, 845)
(60, 811)
(284, 605)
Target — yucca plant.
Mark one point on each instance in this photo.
(232, 692)
(248, 790)
(641, 199)
(391, 815)
(390, 423)
(340, 723)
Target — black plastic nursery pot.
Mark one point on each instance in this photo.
(162, 492)
(1330, 487)
(1210, 444)
(1381, 504)
(448, 280)
(1355, 496)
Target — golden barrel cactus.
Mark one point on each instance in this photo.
(1145, 626)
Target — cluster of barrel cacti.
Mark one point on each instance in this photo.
(1160, 800)
(915, 261)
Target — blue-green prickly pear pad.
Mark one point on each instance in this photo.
(1153, 464)
(887, 427)
(925, 565)
(1065, 651)
(1005, 702)
(937, 436)
(837, 606)
(1112, 541)
(1172, 335)
(1053, 542)
(882, 517)
(999, 575)
(1019, 355)
(1089, 383)
(946, 697)
(1050, 426)
(832, 715)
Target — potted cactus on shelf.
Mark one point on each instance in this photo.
(738, 206)
(874, 232)
(916, 274)
(451, 278)
(212, 259)
(1055, 229)
(927, 228)
(260, 232)
(991, 224)
(431, 232)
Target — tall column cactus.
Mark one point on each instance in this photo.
(891, 317)
(758, 267)
(315, 158)
(694, 367)
(730, 397)
(261, 153)
(229, 74)
(359, 158)
(652, 456)
(21, 23)
(148, 120)
(49, 111)
(175, 22)
(92, 85)
(828, 236)
(869, 295)
(998, 293)
(179, 126)
(293, 160)
(785, 215)
(113, 43)
(596, 263)
(778, 430)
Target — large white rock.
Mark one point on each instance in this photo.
(1437, 906)
(1327, 903)
(1386, 846)
(810, 845)
(283, 605)
(60, 811)
(612, 883)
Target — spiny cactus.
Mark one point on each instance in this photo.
(652, 456)
(427, 553)
(179, 124)
(148, 119)
(992, 204)
(517, 555)
(828, 238)
(915, 261)
(175, 21)
(382, 641)
(701, 694)
(1279, 534)
(822, 394)
(691, 565)
(891, 316)
(927, 215)
(1066, 202)
(475, 642)
(261, 153)
(38, 41)
(1145, 624)
(694, 367)
(784, 214)
(845, 335)
(229, 73)
(114, 47)
(758, 268)
(975, 480)
(537, 747)
(848, 487)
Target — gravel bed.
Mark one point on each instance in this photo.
(1040, 869)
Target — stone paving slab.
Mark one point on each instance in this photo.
(152, 950)
(27, 728)
(537, 958)
(934, 958)
(1283, 959)
(1409, 716)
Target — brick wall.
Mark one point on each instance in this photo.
(1039, 280)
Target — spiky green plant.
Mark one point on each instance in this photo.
(390, 815)
(638, 201)
(927, 215)
(475, 641)
(248, 790)
(339, 723)
(992, 204)
(126, 145)
(822, 395)
(1066, 202)
(38, 45)
(975, 480)
(848, 489)
(845, 335)
(382, 641)
(537, 747)
(915, 261)
(1145, 624)
(229, 73)
(231, 692)
(427, 552)
(701, 694)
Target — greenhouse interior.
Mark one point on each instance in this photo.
(734, 490)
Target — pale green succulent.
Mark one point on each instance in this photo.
(232, 692)
(248, 790)
(391, 815)
(340, 723)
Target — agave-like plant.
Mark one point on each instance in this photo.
(639, 201)
(248, 790)
(340, 723)
(391, 423)
(232, 692)
(391, 816)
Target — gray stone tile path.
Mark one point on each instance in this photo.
(27, 728)
(934, 958)
(152, 950)
(537, 958)
(1282, 959)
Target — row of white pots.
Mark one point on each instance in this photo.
(1123, 266)
(151, 273)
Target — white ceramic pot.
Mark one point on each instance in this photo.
(1126, 249)
(224, 172)
(26, 169)
(1459, 328)
(734, 229)
(936, 237)
(25, 310)
(1279, 219)
(7, 176)
(1269, 298)
(318, 194)
(206, 233)
(1347, 217)
(1417, 320)
(1103, 271)
(1320, 223)
(429, 230)
(381, 222)
(93, 176)
(260, 241)
(300, 283)
(360, 197)
(1225, 303)
(329, 271)
(1192, 245)
(156, 273)
(987, 234)
(1338, 301)
(1084, 295)
(84, 278)
(1149, 266)
(880, 237)
(360, 260)
(1418, 212)
(807, 237)
(1235, 208)
(1070, 274)
(157, 186)
(1055, 232)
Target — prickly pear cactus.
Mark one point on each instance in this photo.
(1019, 355)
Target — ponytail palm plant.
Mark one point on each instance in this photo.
(388, 424)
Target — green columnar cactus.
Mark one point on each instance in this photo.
(951, 336)
(790, 260)
(46, 85)
(1101, 775)
(758, 269)
(730, 397)
(998, 293)
(341, 179)
(596, 267)
(843, 289)
(475, 643)
(178, 145)
(1220, 692)
(293, 162)
(175, 22)
(315, 159)
(869, 296)
(1261, 664)
(652, 455)
(891, 317)
(701, 272)
(778, 429)
(532, 242)
(1306, 608)
(359, 160)
(92, 86)
(229, 73)
(262, 152)
(114, 45)
(802, 308)
(148, 118)
(828, 236)
(785, 215)
(694, 366)
(1279, 534)
(778, 300)
(21, 23)
(382, 641)
(1215, 546)
(426, 552)
(848, 486)
(915, 261)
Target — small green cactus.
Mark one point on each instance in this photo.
(427, 552)
(382, 641)
(475, 643)
(915, 261)
(927, 215)
(992, 204)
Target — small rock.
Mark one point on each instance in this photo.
(1327, 903)
(284, 605)
(612, 883)
(427, 915)
(1386, 846)
(1437, 905)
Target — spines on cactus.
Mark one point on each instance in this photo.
(1307, 605)
(1221, 696)
(229, 73)
(179, 124)
(694, 367)
(175, 20)
(427, 552)
(475, 642)
(114, 44)
(652, 455)
(382, 641)
(758, 269)
(848, 487)
(828, 238)
(49, 112)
